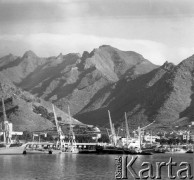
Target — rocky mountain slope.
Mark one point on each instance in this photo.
(26, 112)
(164, 95)
(108, 78)
(73, 79)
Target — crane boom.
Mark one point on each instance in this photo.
(140, 132)
(56, 121)
(147, 125)
(111, 125)
(113, 134)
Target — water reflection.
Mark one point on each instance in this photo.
(73, 166)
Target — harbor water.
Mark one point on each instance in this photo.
(76, 166)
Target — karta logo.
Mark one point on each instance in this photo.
(123, 168)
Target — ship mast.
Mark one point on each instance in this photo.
(127, 129)
(72, 135)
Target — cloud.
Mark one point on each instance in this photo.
(60, 10)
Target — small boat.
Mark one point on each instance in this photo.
(176, 151)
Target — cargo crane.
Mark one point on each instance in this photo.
(139, 130)
(72, 146)
(60, 132)
(113, 137)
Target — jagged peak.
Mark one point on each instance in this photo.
(85, 55)
(100, 48)
(105, 46)
(29, 53)
(60, 56)
(168, 65)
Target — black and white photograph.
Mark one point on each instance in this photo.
(96, 89)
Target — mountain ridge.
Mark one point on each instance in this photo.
(65, 78)
(108, 78)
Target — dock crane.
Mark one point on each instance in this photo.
(139, 130)
(60, 132)
(113, 137)
(71, 133)
(72, 146)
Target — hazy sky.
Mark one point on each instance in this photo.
(160, 30)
